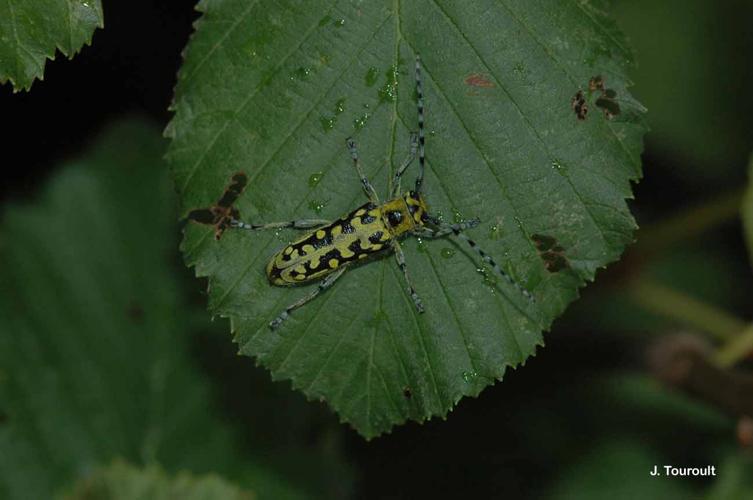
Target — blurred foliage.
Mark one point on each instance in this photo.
(96, 335)
(692, 74)
(747, 211)
(120, 481)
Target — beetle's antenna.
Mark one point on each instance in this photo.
(421, 138)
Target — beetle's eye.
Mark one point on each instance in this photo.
(394, 218)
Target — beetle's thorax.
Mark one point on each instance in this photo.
(402, 215)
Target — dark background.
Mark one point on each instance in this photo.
(524, 436)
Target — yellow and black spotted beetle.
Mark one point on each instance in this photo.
(330, 248)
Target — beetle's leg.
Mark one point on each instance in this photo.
(457, 230)
(406, 163)
(323, 285)
(367, 186)
(295, 224)
(400, 257)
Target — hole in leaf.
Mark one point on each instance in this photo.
(551, 252)
(579, 105)
(223, 212)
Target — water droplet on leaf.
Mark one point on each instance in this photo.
(315, 178)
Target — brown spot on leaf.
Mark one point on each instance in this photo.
(605, 99)
(407, 393)
(221, 214)
(596, 83)
(551, 252)
(135, 312)
(479, 80)
(579, 105)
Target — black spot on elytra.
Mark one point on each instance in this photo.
(355, 247)
(367, 219)
(332, 254)
(551, 252)
(347, 227)
(321, 243)
(376, 237)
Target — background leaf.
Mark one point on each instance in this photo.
(126, 482)
(747, 211)
(273, 88)
(96, 335)
(30, 32)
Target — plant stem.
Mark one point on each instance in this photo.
(736, 348)
(689, 222)
(685, 309)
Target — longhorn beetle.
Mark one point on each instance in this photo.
(330, 248)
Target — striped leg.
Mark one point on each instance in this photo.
(295, 224)
(446, 229)
(323, 285)
(457, 230)
(400, 257)
(421, 135)
(406, 163)
(367, 187)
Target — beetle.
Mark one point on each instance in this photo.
(330, 248)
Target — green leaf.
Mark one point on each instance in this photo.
(747, 211)
(121, 481)
(94, 330)
(735, 478)
(618, 469)
(272, 89)
(682, 46)
(30, 31)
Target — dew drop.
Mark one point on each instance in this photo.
(558, 166)
(388, 92)
(315, 179)
(301, 73)
(339, 23)
(317, 205)
(456, 217)
(495, 232)
(447, 253)
(340, 106)
(422, 247)
(489, 280)
(470, 376)
(328, 122)
(360, 122)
